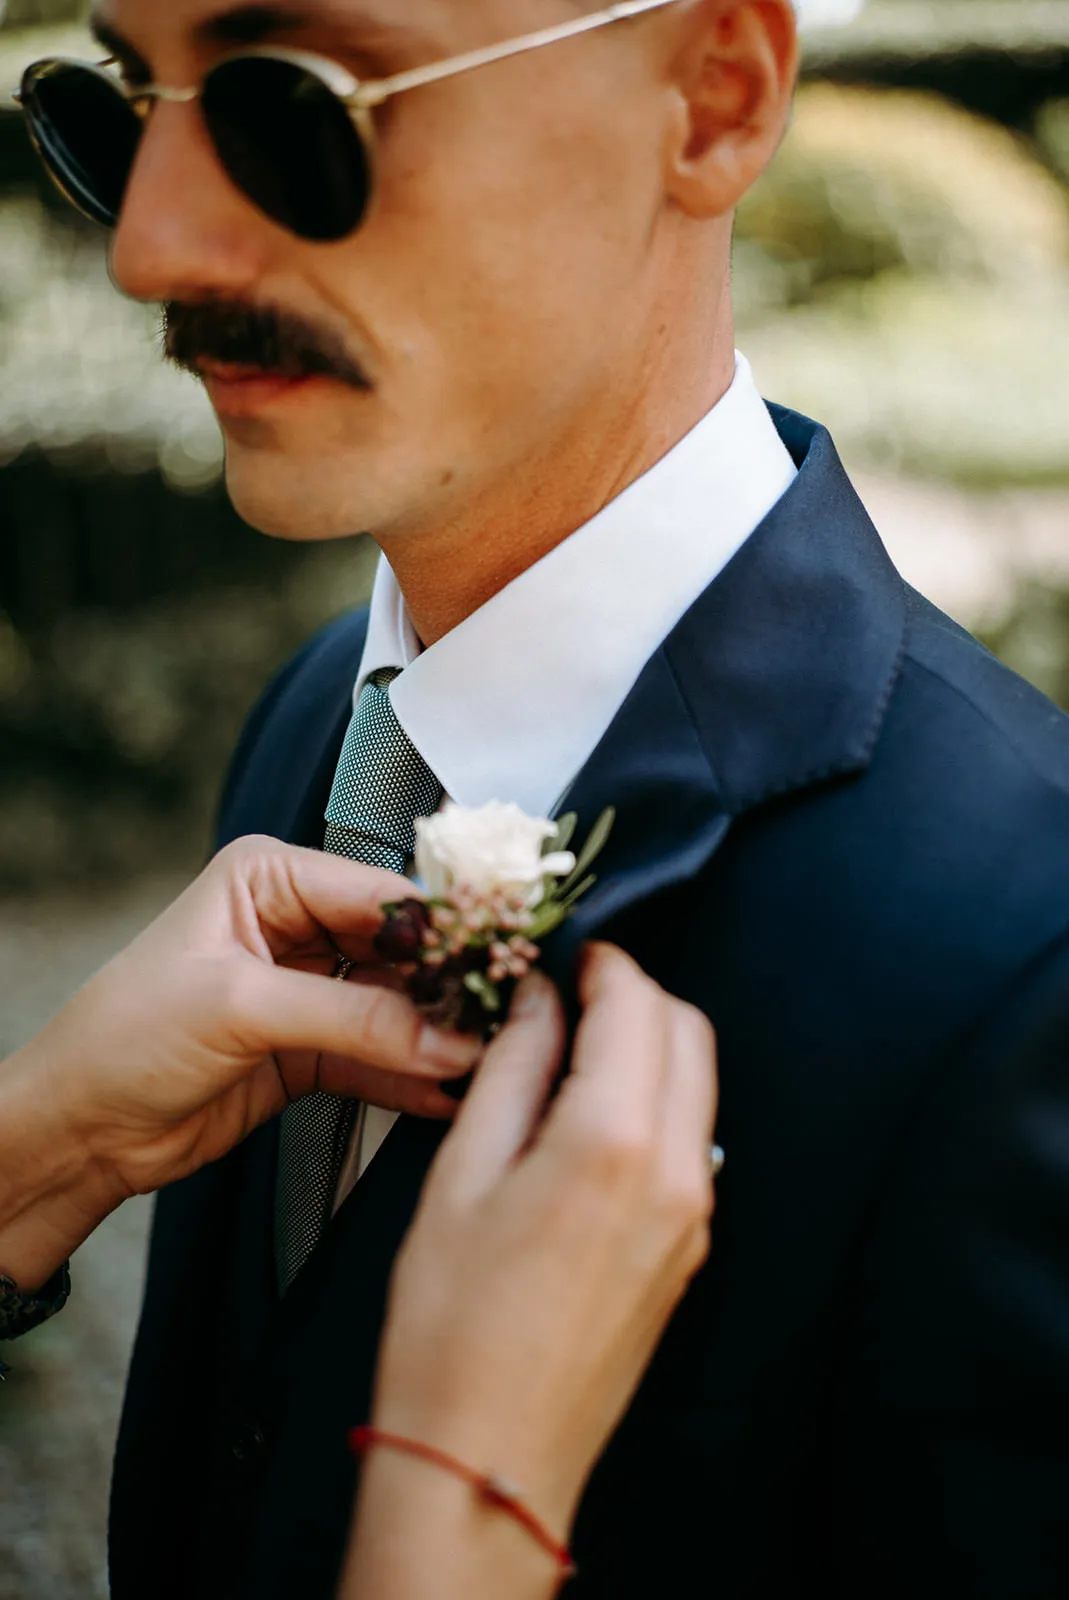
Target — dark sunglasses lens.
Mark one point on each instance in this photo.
(289, 144)
(86, 134)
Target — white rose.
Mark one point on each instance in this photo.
(485, 849)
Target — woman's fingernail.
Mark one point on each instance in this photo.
(449, 1052)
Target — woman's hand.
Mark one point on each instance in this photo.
(205, 1027)
(546, 1259)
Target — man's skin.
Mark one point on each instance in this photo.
(539, 299)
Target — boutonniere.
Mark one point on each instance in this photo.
(498, 882)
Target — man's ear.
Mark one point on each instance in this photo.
(734, 78)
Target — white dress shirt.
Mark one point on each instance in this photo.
(512, 703)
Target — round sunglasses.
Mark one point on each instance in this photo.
(294, 132)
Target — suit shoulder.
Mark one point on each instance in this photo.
(897, 906)
(946, 860)
(998, 718)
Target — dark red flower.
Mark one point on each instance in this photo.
(401, 937)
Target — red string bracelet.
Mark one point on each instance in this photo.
(492, 1489)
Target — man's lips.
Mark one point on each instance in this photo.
(240, 391)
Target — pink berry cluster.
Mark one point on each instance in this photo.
(461, 957)
(495, 923)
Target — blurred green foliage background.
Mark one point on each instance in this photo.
(902, 273)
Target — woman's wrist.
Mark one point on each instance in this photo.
(430, 1532)
(550, 1488)
(492, 1489)
(52, 1191)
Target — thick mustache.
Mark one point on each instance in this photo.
(231, 333)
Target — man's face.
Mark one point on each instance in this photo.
(500, 285)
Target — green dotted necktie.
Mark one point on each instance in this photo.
(382, 785)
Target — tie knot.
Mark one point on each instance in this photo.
(382, 785)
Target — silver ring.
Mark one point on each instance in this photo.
(717, 1159)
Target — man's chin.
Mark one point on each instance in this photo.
(283, 500)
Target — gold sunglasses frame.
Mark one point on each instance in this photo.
(359, 97)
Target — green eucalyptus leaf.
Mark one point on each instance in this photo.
(479, 985)
(590, 852)
(546, 920)
(571, 899)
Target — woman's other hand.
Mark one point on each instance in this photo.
(549, 1252)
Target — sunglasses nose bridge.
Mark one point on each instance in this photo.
(167, 95)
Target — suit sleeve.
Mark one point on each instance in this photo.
(954, 1454)
(22, 1313)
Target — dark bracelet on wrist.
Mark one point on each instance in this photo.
(20, 1313)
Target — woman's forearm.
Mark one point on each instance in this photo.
(554, 1239)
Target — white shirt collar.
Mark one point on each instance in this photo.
(511, 704)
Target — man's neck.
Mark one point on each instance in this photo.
(447, 576)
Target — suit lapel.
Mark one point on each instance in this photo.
(670, 816)
(777, 679)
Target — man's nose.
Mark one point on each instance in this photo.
(185, 232)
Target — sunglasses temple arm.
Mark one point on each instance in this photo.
(370, 95)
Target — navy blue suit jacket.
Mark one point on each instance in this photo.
(844, 833)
